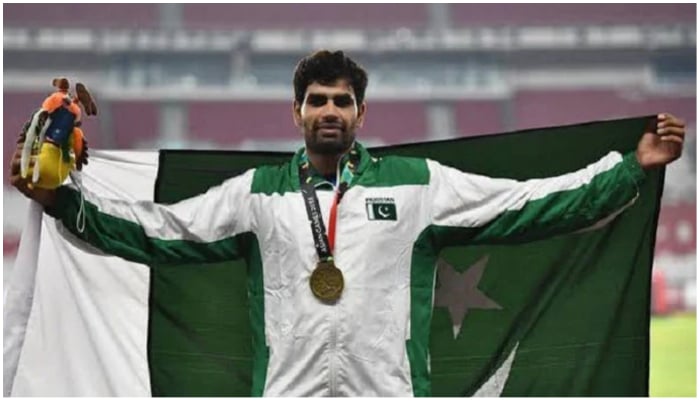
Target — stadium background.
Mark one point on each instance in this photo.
(219, 76)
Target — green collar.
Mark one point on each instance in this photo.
(346, 174)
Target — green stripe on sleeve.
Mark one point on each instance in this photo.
(128, 240)
(567, 211)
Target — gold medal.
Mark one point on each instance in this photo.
(326, 282)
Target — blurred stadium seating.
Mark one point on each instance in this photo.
(219, 75)
(571, 14)
(308, 16)
(82, 15)
(478, 117)
(677, 231)
(536, 108)
(134, 124)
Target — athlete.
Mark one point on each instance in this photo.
(338, 278)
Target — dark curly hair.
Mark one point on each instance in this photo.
(326, 67)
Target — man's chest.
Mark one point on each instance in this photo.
(364, 216)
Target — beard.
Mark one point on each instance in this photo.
(329, 143)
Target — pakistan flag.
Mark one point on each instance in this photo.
(567, 316)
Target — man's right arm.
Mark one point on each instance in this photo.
(200, 229)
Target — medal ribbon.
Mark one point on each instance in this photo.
(331, 222)
(324, 243)
(334, 212)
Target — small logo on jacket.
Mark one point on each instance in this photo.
(380, 208)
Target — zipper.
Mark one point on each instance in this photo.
(333, 359)
(337, 175)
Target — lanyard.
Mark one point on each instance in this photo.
(324, 243)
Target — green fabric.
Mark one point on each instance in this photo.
(128, 240)
(394, 171)
(577, 306)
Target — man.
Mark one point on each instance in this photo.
(342, 306)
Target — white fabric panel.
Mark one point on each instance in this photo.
(19, 294)
(86, 323)
(191, 219)
(470, 200)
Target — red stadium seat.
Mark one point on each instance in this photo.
(478, 117)
(135, 124)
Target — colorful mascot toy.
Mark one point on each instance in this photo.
(54, 142)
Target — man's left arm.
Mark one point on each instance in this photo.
(507, 211)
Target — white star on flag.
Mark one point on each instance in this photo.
(458, 292)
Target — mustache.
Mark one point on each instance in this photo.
(330, 124)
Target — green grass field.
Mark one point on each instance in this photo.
(672, 356)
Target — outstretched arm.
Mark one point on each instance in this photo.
(204, 228)
(493, 210)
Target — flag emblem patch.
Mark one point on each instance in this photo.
(381, 209)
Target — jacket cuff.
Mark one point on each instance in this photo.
(65, 199)
(633, 168)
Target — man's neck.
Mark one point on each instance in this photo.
(325, 164)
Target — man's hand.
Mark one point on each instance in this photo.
(46, 197)
(662, 146)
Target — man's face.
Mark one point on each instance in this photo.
(329, 116)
